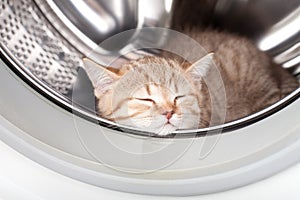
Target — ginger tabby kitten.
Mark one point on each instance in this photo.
(163, 94)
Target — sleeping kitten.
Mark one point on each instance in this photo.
(163, 94)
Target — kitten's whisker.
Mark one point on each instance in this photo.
(127, 117)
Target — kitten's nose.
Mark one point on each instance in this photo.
(168, 114)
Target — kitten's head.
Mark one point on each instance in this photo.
(154, 94)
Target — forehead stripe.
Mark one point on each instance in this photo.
(148, 89)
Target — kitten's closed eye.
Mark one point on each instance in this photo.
(178, 97)
(145, 99)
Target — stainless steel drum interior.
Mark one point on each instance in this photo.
(43, 41)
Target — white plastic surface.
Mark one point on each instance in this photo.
(23, 179)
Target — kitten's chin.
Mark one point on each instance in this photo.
(166, 130)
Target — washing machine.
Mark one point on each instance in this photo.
(53, 146)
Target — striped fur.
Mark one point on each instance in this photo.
(162, 94)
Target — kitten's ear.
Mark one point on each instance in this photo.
(101, 77)
(200, 69)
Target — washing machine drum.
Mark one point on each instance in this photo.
(47, 103)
